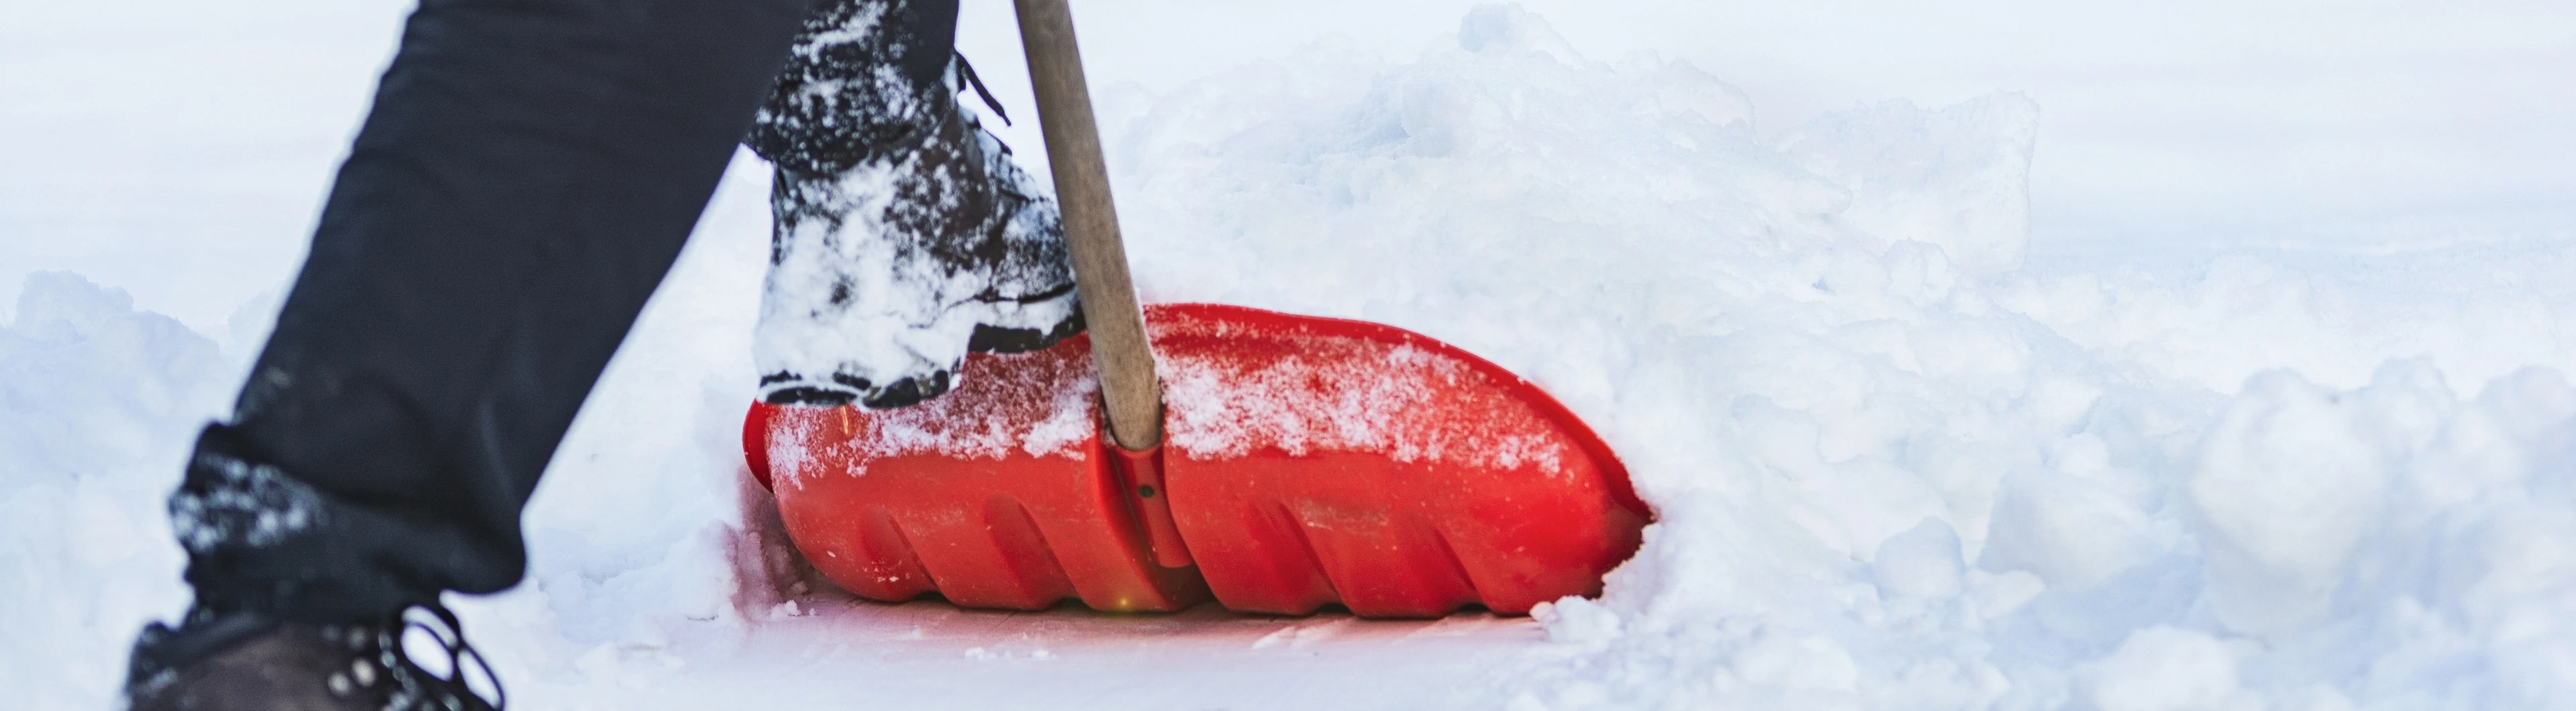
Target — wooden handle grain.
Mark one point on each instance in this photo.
(1117, 325)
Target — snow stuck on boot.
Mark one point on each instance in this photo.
(903, 236)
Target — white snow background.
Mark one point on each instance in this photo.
(2262, 412)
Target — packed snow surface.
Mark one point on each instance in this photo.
(1900, 457)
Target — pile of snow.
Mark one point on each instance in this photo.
(1900, 457)
(101, 405)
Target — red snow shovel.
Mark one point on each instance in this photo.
(1279, 463)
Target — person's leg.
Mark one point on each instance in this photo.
(904, 235)
(526, 176)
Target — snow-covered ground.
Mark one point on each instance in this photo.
(1904, 455)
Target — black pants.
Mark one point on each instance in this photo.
(528, 173)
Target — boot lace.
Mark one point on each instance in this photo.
(966, 78)
(450, 635)
(416, 688)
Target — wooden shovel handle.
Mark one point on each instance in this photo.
(1117, 324)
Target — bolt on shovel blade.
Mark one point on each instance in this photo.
(1307, 461)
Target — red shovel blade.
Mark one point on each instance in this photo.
(1307, 461)
(997, 494)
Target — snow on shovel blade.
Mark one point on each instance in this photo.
(1307, 462)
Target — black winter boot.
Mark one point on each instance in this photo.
(247, 662)
(904, 236)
